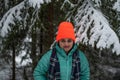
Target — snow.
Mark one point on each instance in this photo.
(87, 20)
(24, 62)
(9, 19)
(37, 3)
(67, 1)
(94, 29)
(97, 3)
(109, 68)
(4, 74)
(6, 3)
(23, 54)
(117, 5)
(27, 39)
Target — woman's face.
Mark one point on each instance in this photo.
(66, 44)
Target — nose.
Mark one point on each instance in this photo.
(65, 42)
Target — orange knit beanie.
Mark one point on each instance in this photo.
(65, 30)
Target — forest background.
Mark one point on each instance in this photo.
(28, 29)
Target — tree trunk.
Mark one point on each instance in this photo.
(41, 41)
(50, 20)
(33, 50)
(13, 62)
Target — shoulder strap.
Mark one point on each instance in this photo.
(54, 67)
(75, 75)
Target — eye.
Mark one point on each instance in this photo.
(63, 40)
(69, 40)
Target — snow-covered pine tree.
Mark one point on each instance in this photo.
(96, 34)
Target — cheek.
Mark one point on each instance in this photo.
(71, 45)
(61, 45)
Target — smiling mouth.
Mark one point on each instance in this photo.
(66, 46)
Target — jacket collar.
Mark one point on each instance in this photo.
(62, 52)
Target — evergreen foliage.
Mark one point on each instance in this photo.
(32, 29)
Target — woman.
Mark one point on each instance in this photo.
(64, 61)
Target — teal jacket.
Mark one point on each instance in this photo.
(65, 61)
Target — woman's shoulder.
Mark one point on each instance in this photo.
(48, 53)
(46, 56)
(81, 54)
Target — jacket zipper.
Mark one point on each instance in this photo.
(67, 68)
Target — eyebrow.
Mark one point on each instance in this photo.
(64, 40)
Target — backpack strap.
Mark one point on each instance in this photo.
(54, 68)
(75, 74)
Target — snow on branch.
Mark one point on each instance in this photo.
(8, 18)
(92, 28)
(15, 12)
(37, 3)
(117, 6)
